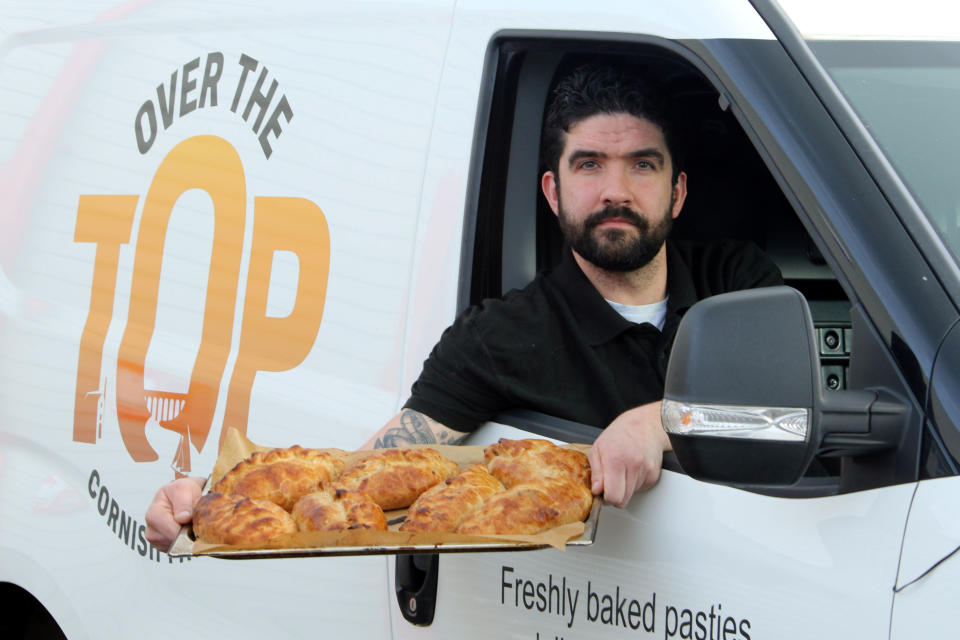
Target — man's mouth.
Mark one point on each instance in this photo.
(615, 217)
(617, 221)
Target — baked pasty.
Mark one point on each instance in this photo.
(547, 486)
(234, 519)
(335, 507)
(282, 476)
(514, 462)
(531, 507)
(444, 506)
(395, 477)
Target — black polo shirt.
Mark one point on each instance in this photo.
(557, 347)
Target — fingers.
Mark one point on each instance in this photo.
(183, 494)
(609, 475)
(596, 470)
(626, 457)
(172, 507)
(615, 488)
(652, 475)
(618, 482)
(162, 529)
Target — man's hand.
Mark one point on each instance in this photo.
(171, 508)
(627, 456)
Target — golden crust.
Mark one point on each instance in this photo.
(444, 506)
(531, 508)
(282, 476)
(516, 462)
(335, 507)
(527, 486)
(394, 478)
(233, 519)
(547, 486)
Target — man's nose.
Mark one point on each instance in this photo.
(616, 191)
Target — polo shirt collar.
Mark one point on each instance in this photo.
(597, 320)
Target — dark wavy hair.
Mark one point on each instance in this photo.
(591, 89)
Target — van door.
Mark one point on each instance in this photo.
(689, 559)
(208, 221)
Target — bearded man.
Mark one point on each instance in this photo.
(589, 340)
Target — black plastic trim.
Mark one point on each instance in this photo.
(468, 269)
(549, 426)
(770, 461)
(415, 582)
(943, 431)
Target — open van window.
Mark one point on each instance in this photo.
(732, 192)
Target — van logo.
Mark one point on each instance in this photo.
(266, 342)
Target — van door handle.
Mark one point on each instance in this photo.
(416, 585)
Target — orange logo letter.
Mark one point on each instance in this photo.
(278, 344)
(211, 164)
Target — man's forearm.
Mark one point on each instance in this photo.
(412, 427)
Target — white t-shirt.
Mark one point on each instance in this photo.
(655, 314)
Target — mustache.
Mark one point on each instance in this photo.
(611, 212)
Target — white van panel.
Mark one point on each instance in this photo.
(927, 608)
(374, 147)
(687, 19)
(346, 162)
(933, 529)
(928, 583)
(686, 551)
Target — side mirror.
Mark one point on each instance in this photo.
(743, 402)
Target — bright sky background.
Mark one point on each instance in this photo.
(898, 19)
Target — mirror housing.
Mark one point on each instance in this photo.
(743, 402)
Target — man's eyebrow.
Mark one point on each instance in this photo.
(650, 152)
(583, 153)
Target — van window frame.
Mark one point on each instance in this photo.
(490, 262)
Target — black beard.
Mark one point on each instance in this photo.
(616, 249)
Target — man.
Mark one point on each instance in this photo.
(587, 341)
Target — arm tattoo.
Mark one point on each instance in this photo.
(415, 429)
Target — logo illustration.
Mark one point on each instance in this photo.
(266, 343)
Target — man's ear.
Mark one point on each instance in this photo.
(548, 183)
(679, 193)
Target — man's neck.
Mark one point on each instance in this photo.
(645, 285)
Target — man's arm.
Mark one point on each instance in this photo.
(412, 427)
(627, 456)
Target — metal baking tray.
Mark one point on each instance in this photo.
(183, 545)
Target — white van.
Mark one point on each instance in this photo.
(263, 215)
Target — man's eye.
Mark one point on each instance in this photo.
(588, 164)
(644, 164)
